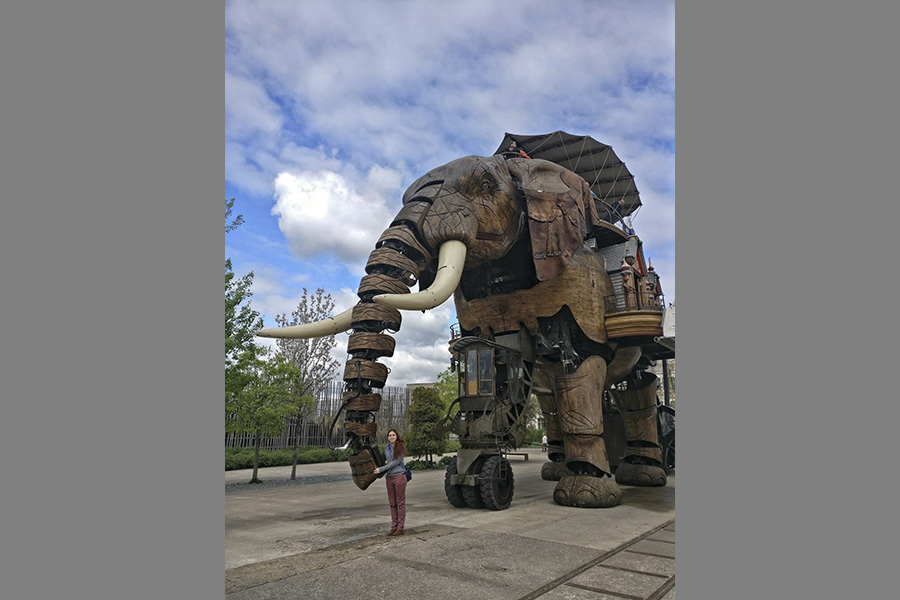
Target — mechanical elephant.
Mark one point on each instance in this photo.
(511, 239)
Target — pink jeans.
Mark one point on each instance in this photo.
(396, 489)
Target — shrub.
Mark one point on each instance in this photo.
(238, 458)
(242, 458)
(533, 437)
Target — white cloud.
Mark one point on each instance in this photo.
(249, 111)
(386, 89)
(421, 352)
(382, 183)
(319, 212)
(266, 281)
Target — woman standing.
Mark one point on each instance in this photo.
(395, 476)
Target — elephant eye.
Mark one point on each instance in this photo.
(486, 185)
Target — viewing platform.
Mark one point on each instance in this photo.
(627, 317)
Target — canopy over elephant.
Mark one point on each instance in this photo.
(525, 246)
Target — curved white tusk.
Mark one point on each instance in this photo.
(330, 326)
(451, 258)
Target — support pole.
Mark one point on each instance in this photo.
(665, 382)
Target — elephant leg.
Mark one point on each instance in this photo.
(642, 463)
(555, 468)
(622, 364)
(588, 483)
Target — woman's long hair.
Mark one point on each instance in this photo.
(399, 447)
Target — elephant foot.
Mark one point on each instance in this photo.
(586, 491)
(554, 471)
(640, 475)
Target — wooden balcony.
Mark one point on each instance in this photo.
(635, 316)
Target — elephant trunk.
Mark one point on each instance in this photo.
(393, 267)
(400, 255)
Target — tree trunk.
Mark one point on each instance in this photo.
(256, 444)
(297, 421)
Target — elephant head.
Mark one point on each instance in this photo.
(466, 213)
(457, 223)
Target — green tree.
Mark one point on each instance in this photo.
(237, 221)
(447, 386)
(241, 322)
(261, 406)
(529, 419)
(425, 410)
(312, 358)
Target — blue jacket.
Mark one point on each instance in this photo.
(394, 466)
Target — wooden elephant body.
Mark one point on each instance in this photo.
(522, 246)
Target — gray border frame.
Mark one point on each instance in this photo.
(785, 118)
(111, 246)
(113, 188)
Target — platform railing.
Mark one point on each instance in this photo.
(635, 302)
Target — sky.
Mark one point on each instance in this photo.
(333, 108)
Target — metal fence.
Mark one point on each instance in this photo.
(313, 430)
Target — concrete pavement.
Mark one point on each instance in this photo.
(321, 537)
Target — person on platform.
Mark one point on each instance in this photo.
(513, 147)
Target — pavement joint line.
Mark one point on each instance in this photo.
(663, 589)
(604, 591)
(646, 553)
(579, 570)
(635, 571)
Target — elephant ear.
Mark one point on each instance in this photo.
(559, 209)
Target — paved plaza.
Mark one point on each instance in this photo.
(321, 537)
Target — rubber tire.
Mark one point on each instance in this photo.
(454, 493)
(496, 493)
(472, 494)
